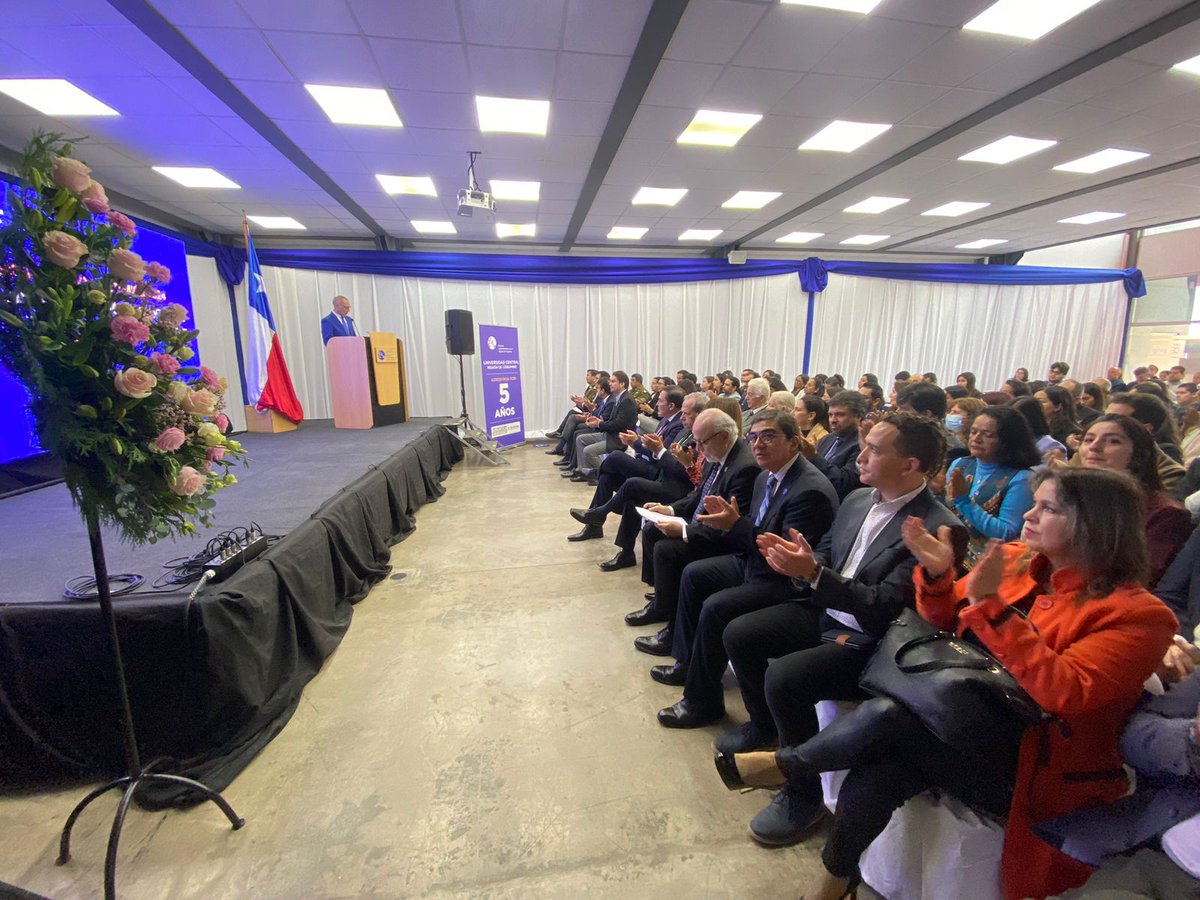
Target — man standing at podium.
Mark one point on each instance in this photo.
(338, 323)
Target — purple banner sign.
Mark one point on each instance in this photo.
(500, 360)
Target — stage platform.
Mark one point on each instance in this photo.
(212, 681)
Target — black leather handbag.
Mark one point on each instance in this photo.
(958, 690)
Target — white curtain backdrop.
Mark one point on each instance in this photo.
(883, 326)
(654, 329)
(210, 304)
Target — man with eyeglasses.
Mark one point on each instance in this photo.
(790, 494)
(728, 474)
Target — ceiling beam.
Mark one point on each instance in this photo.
(153, 25)
(656, 35)
(1057, 198)
(1151, 31)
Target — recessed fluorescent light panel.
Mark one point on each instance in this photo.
(425, 226)
(700, 234)
(513, 116)
(1007, 149)
(857, 6)
(355, 106)
(505, 231)
(716, 128)
(1090, 218)
(516, 190)
(750, 199)
(276, 222)
(651, 196)
(866, 239)
(1098, 162)
(624, 233)
(844, 137)
(799, 237)
(980, 244)
(407, 184)
(876, 205)
(54, 97)
(192, 177)
(1029, 19)
(1189, 65)
(954, 208)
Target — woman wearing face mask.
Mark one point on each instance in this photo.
(1087, 636)
(1123, 445)
(962, 415)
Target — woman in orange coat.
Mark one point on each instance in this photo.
(1087, 636)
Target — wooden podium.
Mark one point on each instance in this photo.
(367, 380)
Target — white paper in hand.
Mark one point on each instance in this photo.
(656, 518)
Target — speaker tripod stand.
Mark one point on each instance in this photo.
(477, 446)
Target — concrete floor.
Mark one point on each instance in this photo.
(486, 729)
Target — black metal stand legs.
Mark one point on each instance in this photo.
(139, 775)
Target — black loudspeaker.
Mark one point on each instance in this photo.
(460, 332)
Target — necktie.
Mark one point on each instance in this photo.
(349, 323)
(708, 483)
(833, 447)
(772, 484)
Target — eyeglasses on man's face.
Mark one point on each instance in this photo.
(767, 435)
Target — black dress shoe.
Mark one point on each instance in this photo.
(675, 675)
(593, 480)
(579, 477)
(686, 715)
(553, 435)
(587, 533)
(562, 463)
(553, 452)
(588, 516)
(658, 644)
(647, 615)
(623, 560)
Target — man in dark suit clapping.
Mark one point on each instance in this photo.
(847, 591)
(605, 437)
(790, 495)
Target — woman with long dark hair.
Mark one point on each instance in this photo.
(1059, 408)
(1040, 428)
(1065, 613)
(1121, 444)
(967, 380)
(990, 489)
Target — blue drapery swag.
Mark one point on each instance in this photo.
(813, 272)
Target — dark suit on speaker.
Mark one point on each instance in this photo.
(837, 458)
(663, 558)
(782, 663)
(714, 592)
(332, 326)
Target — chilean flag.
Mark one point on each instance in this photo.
(267, 380)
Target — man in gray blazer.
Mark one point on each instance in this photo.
(849, 589)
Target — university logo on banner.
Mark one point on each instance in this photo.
(500, 362)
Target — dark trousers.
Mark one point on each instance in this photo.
(713, 593)
(615, 469)
(669, 557)
(892, 758)
(566, 432)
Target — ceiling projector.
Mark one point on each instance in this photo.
(471, 197)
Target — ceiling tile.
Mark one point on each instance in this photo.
(533, 24)
(616, 31)
(408, 64)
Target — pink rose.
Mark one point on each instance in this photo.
(188, 482)
(210, 378)
(94, 197)
(134, 383)
(123, 222)
(164, 363)
(215, 454)
(126, 265)
(172, 315)
(199, 403)
(129, 330)
(158, 272)
(170, 440)
(222, 421)
(70, 174)
(63, 249)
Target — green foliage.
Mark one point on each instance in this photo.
(103, 356)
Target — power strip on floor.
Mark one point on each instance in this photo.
(235, 556)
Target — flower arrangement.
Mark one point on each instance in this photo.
(90, 331)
